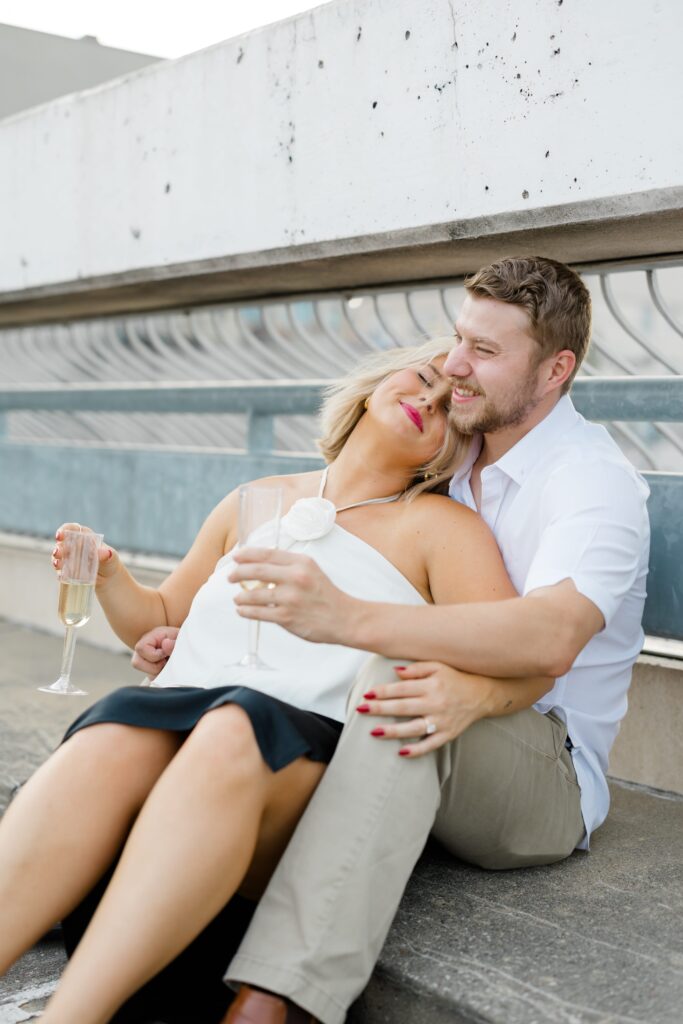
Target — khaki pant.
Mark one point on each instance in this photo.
(503, 795)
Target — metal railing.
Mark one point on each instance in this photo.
(638, 330)
(154, 499)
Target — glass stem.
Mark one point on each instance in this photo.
(254, 630)
(68, 653)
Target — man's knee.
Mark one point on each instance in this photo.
(376, 671)
(508, 801)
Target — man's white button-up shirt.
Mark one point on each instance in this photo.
(565, 503)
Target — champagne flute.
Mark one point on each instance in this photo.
(76, 588)
(260, 507)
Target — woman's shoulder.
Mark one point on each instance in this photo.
(441, 507)
(441, 518)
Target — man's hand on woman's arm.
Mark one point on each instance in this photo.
(153, 650)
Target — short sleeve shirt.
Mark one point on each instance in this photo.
(565, 503)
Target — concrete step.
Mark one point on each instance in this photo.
(593, 940)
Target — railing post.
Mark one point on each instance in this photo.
(260, 433)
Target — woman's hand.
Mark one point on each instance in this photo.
(428, 694)
(108, 558)
(153, 650)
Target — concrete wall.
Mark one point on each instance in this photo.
(38, 66)
(358, 127)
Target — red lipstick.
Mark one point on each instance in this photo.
(414, 415)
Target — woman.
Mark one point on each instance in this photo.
(199, 785)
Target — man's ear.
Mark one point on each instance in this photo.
(557, 369)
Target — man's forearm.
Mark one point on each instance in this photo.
(513, 638)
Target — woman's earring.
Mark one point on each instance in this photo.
(429, 476)
(366, 403)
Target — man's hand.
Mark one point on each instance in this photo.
(428, 694)
(297, 595)
(153, 650)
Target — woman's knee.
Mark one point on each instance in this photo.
(225, 738)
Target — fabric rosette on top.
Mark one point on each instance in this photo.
(309, 519)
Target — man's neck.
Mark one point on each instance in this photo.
(498, 442)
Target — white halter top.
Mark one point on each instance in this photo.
(315, 677)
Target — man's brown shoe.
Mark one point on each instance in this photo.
(255, 1007)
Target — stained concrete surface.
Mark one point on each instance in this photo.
(33, 723)
(593, 940)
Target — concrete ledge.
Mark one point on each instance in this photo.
(648, 748)
(640, 224)
(29, 589)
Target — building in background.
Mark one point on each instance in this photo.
(37, 66)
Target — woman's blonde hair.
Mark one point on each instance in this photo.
(344, 404)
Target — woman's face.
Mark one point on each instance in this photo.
(412, 406)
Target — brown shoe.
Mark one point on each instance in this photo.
(252, 1006)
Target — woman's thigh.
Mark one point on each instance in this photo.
(126, 756)
(511, 799)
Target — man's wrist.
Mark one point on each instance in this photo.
(355, 624)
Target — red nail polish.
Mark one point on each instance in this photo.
(404, 752)
(400, 668)
(363, 708)
(377, 732)
(370, 695)
(111, 553)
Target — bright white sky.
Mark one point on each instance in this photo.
(163, 28)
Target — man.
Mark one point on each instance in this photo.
(455, 748)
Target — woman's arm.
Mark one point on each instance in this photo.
(132, 609)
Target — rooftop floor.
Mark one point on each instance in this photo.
(594, 940)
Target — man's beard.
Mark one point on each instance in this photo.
(490, 417)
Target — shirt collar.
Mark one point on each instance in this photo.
(522, 457)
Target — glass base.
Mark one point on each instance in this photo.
(148, 681)
(64, 687)
(251, 660)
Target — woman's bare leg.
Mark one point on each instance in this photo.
(68, 823)
(186, 855)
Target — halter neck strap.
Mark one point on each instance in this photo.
(357, 504)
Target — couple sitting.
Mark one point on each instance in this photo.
(181, 805)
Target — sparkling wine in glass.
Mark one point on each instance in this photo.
(260, 507)
(76, 588)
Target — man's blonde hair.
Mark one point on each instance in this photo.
(344, 404)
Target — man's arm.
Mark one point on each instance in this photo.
(589, 554)
(537, 635)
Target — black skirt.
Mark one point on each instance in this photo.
(283, 732)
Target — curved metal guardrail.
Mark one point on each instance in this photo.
(638, 330)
